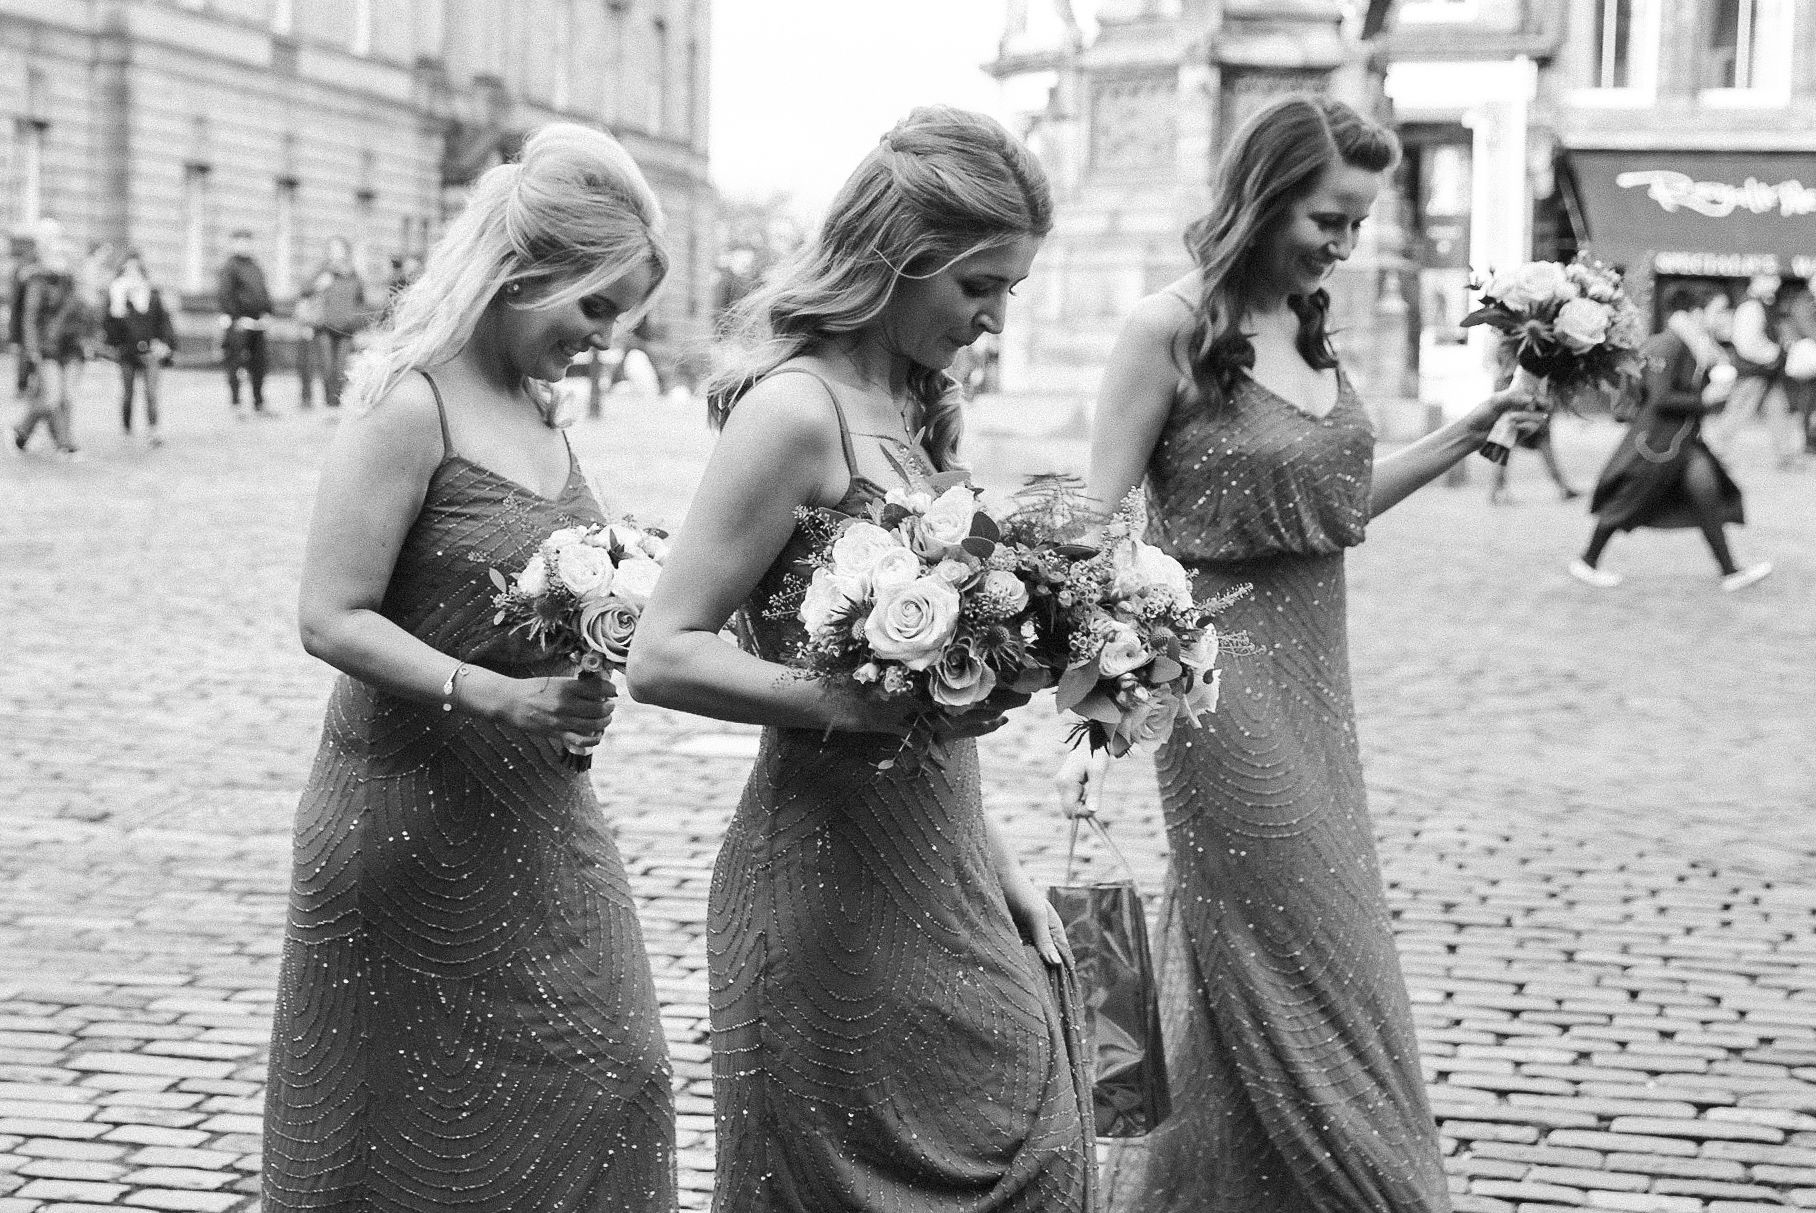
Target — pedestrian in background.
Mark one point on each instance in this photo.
(139, 330)
(307, 314)
(53, 330)
(340, 302)
(1799, 372)
(1536, 439)
(245, 310)
(1663, 474)
(1759, 364)
(28, 241)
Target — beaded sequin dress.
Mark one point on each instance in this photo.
(1296, 1074)
(883, 1040)
(465, 1018)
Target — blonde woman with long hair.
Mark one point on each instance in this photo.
(465, 1015)
(890, 1007)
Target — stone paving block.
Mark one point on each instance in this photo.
(1626, 1142)
(187, 1178)
(1585, 1177)
(1643, 1202)
(141, 1063)
(71, 1168)
(54, 1147)
(30, 1110)
(1697, 1129)
(129, 1114)
(185, 1201)
(153, 1135)
(74, 1130)
(1524, 1190)
(1681, 1168)
(171, 1156)
(71, 1189)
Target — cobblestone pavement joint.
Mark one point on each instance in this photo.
(1592, 808)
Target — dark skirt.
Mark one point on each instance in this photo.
(1643, 483)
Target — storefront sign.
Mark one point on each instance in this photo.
(1674, 191)
(1727, 214)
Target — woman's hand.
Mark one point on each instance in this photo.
(902, 715)
(1079, 781)
(572, 711)
(1036, 919)
(1519, 405)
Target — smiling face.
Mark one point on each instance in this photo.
(929, 320)
(1297, 254)
(540, 342)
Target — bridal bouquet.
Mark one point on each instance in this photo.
(580, 594)
(1141, 649)
(1568, 325)
(930, 595)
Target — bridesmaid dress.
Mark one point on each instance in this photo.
(465, 1016)
(883, 1039)
(1296, 1073)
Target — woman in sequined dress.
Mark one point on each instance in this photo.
(892, 1014)
(1290, 1039)
(465, 1016)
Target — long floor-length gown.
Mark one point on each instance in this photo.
(1296, 1073)
(465, 1017)
(883, 1039)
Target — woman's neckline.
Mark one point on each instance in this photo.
(1335, 404)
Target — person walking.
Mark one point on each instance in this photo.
(1296, 1080)
(245, 313)
(892, 1011)
(1759, 363)
(466, 1017)
(339, 298)
(1800, 375)
(138, 328)
(1536, 439)
(28, 243)
(1663, 474)
(54, 327)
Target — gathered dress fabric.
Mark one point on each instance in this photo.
(1295, 1072)
(883, 1038)
(466, 1018)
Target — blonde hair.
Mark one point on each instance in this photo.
(943, 185)
(572, 216)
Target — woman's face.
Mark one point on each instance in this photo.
(541, 342)
(929, 320)
(1317, 231)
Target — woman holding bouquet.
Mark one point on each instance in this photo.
(465, 1015)
(1297, 1083)
(892, 1028)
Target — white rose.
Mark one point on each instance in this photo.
(584, 570)
(635, 580)
(534, 579)
(655, 547)
(1582, 324)
(1155, 567)
(897, 566)
(912, 623)
(1005, 591)
(1122, 653)
(915, 501)
(623, 538)
(1201, 654)
(858, 548)
(952, 572)
(1530, 285)
(567, 536)
(828, 594)
(947, 522)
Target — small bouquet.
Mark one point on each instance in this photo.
(1141, 649)
(927, 594)
(1569, 325)
(581, 594)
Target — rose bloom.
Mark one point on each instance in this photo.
(858, 548)
(534, 579)
(947, 522)
(911, 623)
(655, 547)
(567, 536)
(1582, 324)
(1528, 286)
(1151, 722)
(623, 538)
(606, 627)
(1005, 591)
(960, 678)
(585, 570)
(635, 580)
(953, 572)
(915, 501)
(1123, 653)
(898, 566)
(828, 594)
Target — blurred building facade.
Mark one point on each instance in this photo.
(1129, 104)
(1673, 138)
(165, 125)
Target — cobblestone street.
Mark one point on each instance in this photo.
(1594, 811)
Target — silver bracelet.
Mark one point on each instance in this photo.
(447, 688)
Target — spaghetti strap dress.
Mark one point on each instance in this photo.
(465, 1016)
(1297, 1086)
(883, 1039)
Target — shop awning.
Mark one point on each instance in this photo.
(1730, 214)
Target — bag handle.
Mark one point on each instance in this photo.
(1103, 832)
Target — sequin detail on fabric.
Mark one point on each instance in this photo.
(465, 1016)
(883, 1040)
(1294, 1065)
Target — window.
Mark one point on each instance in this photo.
(656, 79)
(1621, 56)
(365, 208)
(1614, 45)
(283, 243)
(29, 205)
(283, 17)
(1747, 50)
(195, 227)
(360, 40)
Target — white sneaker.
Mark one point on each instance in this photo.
(1588, 574)
(1747, 576)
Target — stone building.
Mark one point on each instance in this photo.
(1129, 121)
(1670, 137)
(165, 125)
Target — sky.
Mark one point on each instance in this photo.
(803, 88)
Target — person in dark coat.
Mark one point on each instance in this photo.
(53, 325)
(245, 310)
(1663, 474)
(339, 296)
(138, 328)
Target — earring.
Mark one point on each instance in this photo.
(513, 289)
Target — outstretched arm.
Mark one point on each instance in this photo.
(1399, 475)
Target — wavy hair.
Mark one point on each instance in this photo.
(569, 218)
(1275, 159)
(944, 184)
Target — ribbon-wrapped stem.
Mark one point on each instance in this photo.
(579, 760)
(1506, 432)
